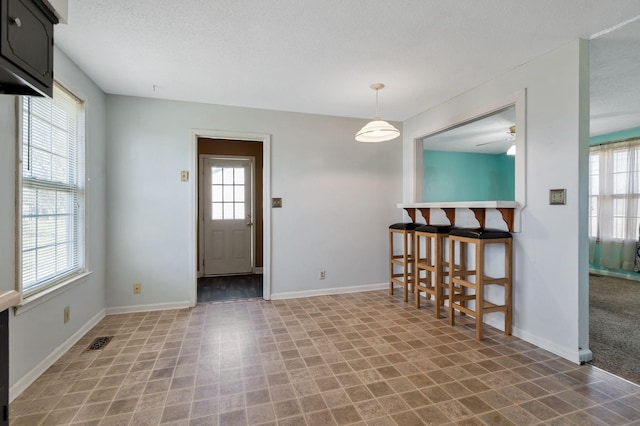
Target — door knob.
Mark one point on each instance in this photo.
(16, 21)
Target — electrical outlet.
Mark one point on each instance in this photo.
(67, 314)
(323, 275)
(137, 288)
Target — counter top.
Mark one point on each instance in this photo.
(461, 205)
(9, 299)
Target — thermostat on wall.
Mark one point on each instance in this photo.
(557, 196)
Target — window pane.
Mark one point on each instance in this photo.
(620, 161)
(63, 257)
(594, 184)
(239, 193)
(239, 211)
(46, 258)
(216, 211)
(40, 164)
(59, 169)
(29, 233)
(216, 175)
(228, 210)
(620, 183)
(227, 194)
(239, 176)
(63, 202)
(216, 193)
(227, 174)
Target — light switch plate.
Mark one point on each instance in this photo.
(557, 196)
(184, 176)
(276, 203)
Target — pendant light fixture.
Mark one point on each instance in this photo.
(377, 130)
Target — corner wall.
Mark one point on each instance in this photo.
(551, 252)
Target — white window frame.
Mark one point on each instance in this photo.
(49, 287)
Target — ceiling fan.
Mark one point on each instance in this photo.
(511, 133)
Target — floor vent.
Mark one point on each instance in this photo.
(99, 343)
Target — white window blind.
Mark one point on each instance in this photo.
(52, 197)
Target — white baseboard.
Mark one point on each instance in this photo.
(578, 356)
(572, 354)
(131, 309)
(328, 291)
(22, 384)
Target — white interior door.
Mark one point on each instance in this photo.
(227, 219)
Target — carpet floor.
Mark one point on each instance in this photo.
(614, 325)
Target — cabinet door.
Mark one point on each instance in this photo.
(27, 39)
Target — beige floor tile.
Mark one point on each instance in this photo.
(359, 359)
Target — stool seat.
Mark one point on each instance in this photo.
(480, 233)
(435, 229)
(404, 226)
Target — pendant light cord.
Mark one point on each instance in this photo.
(377, 103)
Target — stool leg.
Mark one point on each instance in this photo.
(507, 287)
(416, 259)
(452, 263)
(438, 275)
(479, 288)
(405, 269)
(390, 263)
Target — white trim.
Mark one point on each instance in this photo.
(26, 380)
(266, 202)
(132, 309)
(329, 291)
(572, 354)
(258, 270)
(517, 99)
(576, 355)
(42, 296)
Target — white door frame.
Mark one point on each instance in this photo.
(252, 210)
(266, 202)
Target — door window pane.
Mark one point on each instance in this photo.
(228, 193)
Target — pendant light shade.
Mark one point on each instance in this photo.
(377, 130)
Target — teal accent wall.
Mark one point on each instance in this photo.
(616, 136)
(465, 176)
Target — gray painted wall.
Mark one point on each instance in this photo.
(35, 333)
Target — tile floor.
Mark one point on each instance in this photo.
(365, 359)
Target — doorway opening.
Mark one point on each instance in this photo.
(230, 226)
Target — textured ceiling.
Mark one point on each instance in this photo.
(615, 80)
(320, 56)
(486, 135)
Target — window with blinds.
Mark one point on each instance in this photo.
(52, 194)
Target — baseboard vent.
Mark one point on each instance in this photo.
(99, 343)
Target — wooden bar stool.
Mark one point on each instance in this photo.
(459, 275)
(405, 260)
(434, 281)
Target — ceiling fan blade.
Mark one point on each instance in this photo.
(487, 143)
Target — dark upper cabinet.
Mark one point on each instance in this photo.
(26, 47)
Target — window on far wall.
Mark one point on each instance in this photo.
(614, 191)
(51, 176)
